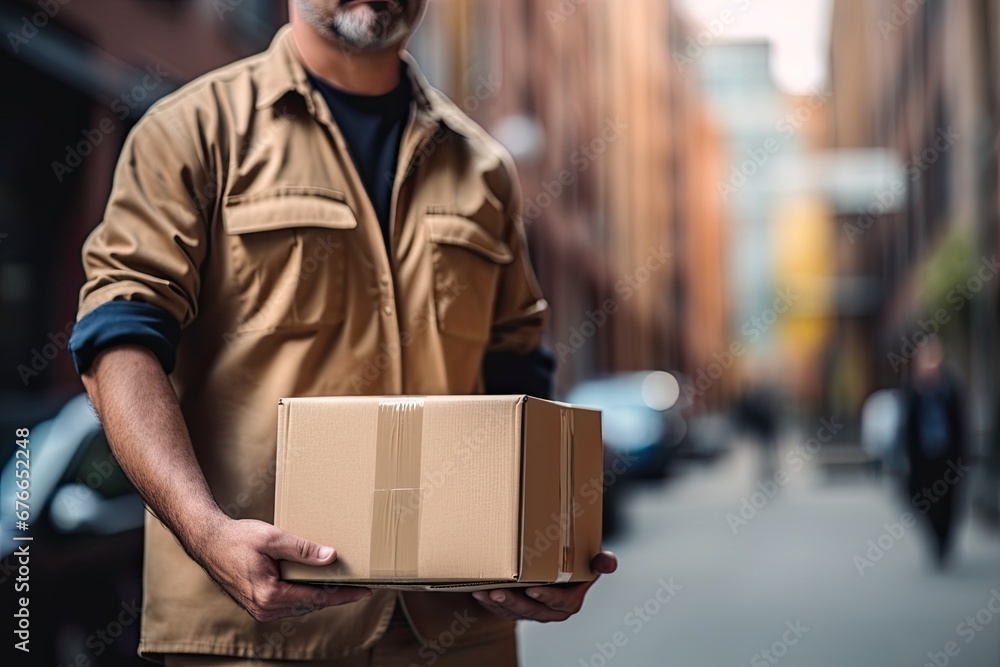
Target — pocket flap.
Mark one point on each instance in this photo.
(461, 231)
(292, 207)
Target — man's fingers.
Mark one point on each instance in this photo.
(285, 546)
(348, 594)
(287, 599)
(483, 598)
(524, 607)
(560, 598)
(322, 596)
(604, 563)
(569, 597)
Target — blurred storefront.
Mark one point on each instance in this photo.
(619, 172)
(80, 74)
(778, 264)
(619, 160)
(921, 80)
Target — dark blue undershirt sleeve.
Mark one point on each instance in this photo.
(125, 322)
(512, 373)
(139, 323)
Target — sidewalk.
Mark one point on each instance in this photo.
(785, 588)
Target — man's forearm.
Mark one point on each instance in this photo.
(146, 431)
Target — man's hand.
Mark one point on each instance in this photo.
(545, 603)
(147, 433)
(242, 556)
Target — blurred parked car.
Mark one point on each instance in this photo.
(640, 421)
(642, 429)
(85, 580)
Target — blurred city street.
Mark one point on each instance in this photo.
(792, 563)
(760, 236)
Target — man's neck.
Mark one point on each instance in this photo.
(373, 73)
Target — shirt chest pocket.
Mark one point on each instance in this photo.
(287, 252)
(468, 261)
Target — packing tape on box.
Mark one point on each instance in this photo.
(566, 486)
(396, 499)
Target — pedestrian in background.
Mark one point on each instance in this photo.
(934, 437)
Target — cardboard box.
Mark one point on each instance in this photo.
(441, 492)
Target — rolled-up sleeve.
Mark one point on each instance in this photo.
(121, 322)
(152, 242)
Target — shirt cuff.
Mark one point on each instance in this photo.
(512, 373)
(125, 322)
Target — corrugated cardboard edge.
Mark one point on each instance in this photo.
(280, 502)
(568, 501)
(521, 431)
(537, 555)
(443, 587)
(588, 468)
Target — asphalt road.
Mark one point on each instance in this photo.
(796, 583)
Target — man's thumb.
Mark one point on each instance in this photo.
(285, 546)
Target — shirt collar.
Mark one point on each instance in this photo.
(282, 72)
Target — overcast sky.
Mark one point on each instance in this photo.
(797, 29)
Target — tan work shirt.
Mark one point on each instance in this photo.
(236, 208)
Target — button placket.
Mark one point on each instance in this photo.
(385, 283)
(368, 218)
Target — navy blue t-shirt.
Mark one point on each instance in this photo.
(372, 127)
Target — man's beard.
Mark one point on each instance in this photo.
(360, 25)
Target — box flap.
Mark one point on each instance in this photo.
(561, 518)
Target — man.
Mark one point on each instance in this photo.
(934, 436)
(315, 220)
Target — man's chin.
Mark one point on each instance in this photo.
(362, 33)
